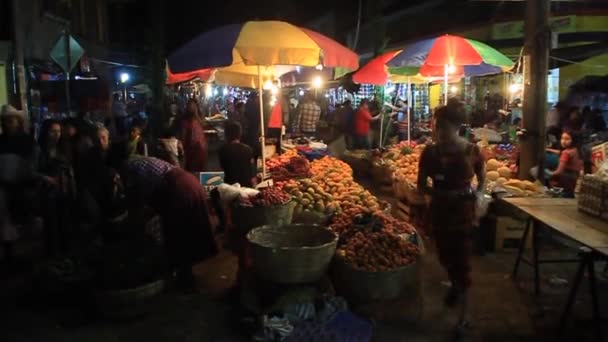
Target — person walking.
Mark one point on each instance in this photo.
(451, 163)
(181, 202)
(192, 135)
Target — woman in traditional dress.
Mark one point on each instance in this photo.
(451, 163)
(180, 200)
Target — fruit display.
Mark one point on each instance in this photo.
(362, 219)
(287, 166)
(267, 197)
(378, 251)
(501, 176)
(311, 197)
(327, 165)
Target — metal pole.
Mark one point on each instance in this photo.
(19, 56)
(66, 33)
(262, 137)
(409, 115)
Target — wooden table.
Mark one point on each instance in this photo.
(562, 216)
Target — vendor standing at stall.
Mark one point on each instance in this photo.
(451, 163)
(363, 120)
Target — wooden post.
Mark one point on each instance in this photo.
(536, 62)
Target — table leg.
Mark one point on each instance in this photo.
(522, 247)
(572, 296)
(594, 299)
(535, 250)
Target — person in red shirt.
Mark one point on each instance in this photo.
(363, 119)
(570, 165)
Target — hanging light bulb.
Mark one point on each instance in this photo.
(301, 93)
(274, 90)
(208, 90)
(268, 85)
(451, 68)
(317, 82)
(454, 89)
(514, 88)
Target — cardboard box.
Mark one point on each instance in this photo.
(509, 232)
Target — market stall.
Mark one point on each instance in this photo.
(314, 216)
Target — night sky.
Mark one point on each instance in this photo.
(186, 19)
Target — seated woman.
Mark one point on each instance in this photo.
(569, 167)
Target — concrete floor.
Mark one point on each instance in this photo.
(501, 309)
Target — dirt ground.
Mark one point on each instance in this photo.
(501, 310)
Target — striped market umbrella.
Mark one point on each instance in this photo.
(260, 44)
(450, 55)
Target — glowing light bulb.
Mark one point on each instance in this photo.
(317, 82)
(225, 91)
(208, 90)
(274, 90)
(268, 85)
(451, 69)
(319, 67)
(514, 88)
(301, 93)
(454, 89)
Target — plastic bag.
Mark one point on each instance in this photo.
(229, 193)
(481, 208)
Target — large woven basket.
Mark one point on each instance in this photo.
(247, 218)
(365, 286)
(382, 175)
(361, 166)
(291, 254)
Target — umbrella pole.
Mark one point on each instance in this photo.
(409, 105)
(446, 70)
(262, 137)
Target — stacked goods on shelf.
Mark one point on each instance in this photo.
(593, 195)
(287, 166)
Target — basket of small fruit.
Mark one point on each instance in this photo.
(291, 254)
(376, 258)
(271, 206)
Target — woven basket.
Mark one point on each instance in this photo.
(360, 166)
(247, 218)
(364, 286)
(292, 254)
(382, 174)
